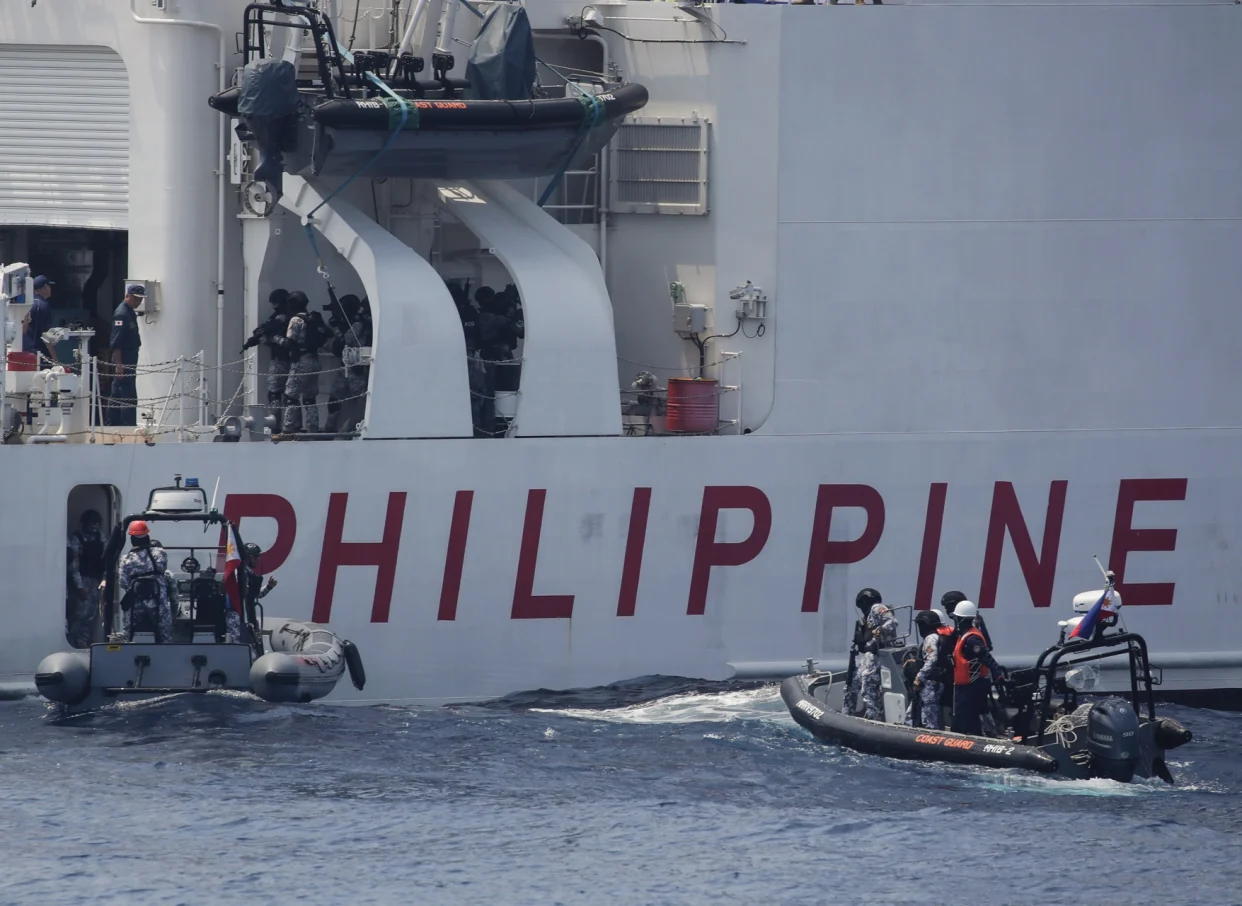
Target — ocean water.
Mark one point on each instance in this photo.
(652, 792)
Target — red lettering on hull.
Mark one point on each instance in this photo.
(824, 552)
(380, 554)
(455, 557)
(709, 552)
(924, 587)
(267, 506)
(526, 604)
(1127, 540)
(632, 567)
(1039, 570)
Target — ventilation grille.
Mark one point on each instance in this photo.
(659, 166)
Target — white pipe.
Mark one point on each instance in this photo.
(448, 16)
(602, 174)
(407, 39)
(221, 180)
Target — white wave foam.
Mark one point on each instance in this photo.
(690, 707)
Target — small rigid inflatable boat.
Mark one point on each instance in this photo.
(1047, 729)
(371, 111)
(278, 660)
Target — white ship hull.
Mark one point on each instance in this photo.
(540, 600)
(1000, 243)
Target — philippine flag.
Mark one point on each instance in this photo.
(1086, 626)
(231, 589)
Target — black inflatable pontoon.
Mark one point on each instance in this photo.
(372, 111)
(1048, 730)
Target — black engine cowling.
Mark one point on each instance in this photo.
(1113, 740)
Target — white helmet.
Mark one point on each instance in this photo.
(966, 610)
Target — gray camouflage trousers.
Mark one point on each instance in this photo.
(866, 686)
(151, 613)
(232, 626)
(301, 393)
(277, 378)
(82, 616)
(929, 707)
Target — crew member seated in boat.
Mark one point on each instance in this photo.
(86, 568)
(877, 629)
(143, 588)
(935, 670)
(950, 600)
(973, 669)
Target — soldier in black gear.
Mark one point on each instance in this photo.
(305, 335)
(341, 316)
(271, 333)
(256, 590)
(469, 315)
(499, 330)
(86, 568)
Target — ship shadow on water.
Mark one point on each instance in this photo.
(626, 693)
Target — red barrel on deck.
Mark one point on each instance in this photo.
(23, 361)
(693, 405)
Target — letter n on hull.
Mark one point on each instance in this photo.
(1039, 570)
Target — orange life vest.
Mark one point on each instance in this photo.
(962, 673)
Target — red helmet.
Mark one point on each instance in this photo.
(138, 527)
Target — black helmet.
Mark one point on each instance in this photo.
(927, 622)
(867, 598)
(297, 300)
(253, 550)
(951, 599)
(278, 297)
(92, 517)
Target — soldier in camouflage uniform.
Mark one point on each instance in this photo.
(271, 333)
(343, 321)
(86, 568)
(879, 630)
(302, 389)
(142, 582)
(935, 669)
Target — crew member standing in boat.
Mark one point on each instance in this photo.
(86, 568)
(935, 670)
(877, 629)
(125, 343)
(302, 388)
(950, 599)
(973, 669)
(256, 590)
(143, 586)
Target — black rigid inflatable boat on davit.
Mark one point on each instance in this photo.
(1048, 730)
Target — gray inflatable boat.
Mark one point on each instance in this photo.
(278, 660)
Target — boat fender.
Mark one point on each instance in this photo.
(1170, 734)
(353, 660)
(64, 677)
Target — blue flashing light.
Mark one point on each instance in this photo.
(191, 482)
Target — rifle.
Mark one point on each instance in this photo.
(851, 701)
(261, 333)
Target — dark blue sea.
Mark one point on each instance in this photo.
(653, 792)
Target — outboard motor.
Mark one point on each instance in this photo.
(1113, 740)
(268, 100)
